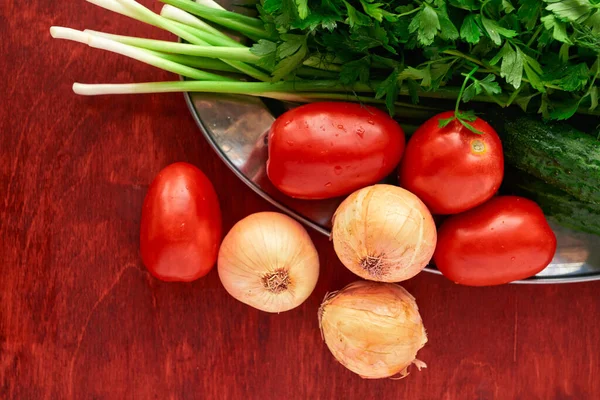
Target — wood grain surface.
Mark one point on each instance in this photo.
(81, 318)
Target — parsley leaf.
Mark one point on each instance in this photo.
(288, 12)
(426, 23)
(558, 28)
(438, 73)
(375, 11)
(593, 21)
(291, 45)
(533, 70)
(356, 70)
(564, 111)
(529, 12)
(487, 85)
(355, 17)
(413, 90)
(291, 53)
(367, 38)
(507, 6)
(263, 47)
(468, 5)
(303, 10)
(469, 31)
(523, 102)
(570, 10)
(512, 64)
(447, 29)
(569, 78)
(267, 51)
(389, 88)
(424, 75)
(318, 18)
(495, 31)
(271, 6)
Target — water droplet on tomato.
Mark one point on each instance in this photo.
(337, 170)
(290, 142)
(287, 123)
(328, 184)
(360, 132)
(512, 258)
(370, 122)
(340, 126)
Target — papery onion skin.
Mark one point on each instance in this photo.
(384, 233)
(374, 329)
(269, 262)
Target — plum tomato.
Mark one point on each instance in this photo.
(329, 149)
(181, 225)
(503, 240)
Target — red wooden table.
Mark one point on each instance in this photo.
(81, 318)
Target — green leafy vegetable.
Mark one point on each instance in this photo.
(524, 48)
(536, 54)
(426, 24)
(486, 85)
(470, 30)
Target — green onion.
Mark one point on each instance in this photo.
(250, 27)
(133, 52)
(196, 62)
(175, 14)
(230, 53)
(222, 17)
(175, 28)
(251, 88)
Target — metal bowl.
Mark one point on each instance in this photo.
(236, 127)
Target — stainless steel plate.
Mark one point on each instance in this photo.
(236, 127)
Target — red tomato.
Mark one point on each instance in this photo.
(181, 224)
(503, 240)
(329, 149)
(452, 169)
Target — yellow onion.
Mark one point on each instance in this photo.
(268, 261)
(384, 233)
(374, 329)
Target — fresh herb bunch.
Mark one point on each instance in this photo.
(540, 55)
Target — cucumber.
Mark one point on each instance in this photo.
(556, 153)
(558, 206)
